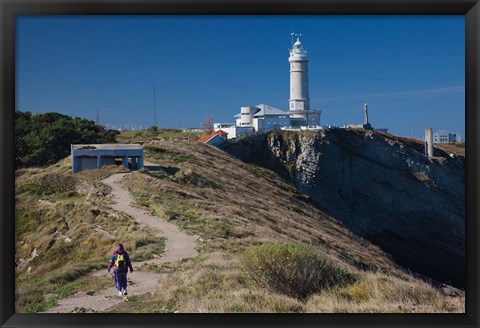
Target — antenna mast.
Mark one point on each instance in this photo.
(154, 107)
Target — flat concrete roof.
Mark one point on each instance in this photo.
(106, 146)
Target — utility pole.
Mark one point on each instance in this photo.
(154, 107)
(97, 116)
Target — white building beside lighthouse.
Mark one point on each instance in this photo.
(263, 118)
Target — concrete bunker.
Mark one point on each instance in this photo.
(94, 156)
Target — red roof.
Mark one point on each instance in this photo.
(206, 138)
(210, 136)
(220, 132)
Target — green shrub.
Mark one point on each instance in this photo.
(292, 269)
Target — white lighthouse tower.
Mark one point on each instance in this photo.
(299, 98)
(299, 102)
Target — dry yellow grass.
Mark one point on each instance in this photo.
(376, 293)
(452, 148)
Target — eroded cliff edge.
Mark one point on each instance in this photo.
(381, 187)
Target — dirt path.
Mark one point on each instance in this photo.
(179, 245)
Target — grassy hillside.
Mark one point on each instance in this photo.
(64, 231)
(237, 209)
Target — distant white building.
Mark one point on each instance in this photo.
(263, 118)
(233, 130)
(444, 136)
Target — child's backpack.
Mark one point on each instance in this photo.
(120, 262)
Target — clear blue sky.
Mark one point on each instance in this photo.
(410, 69)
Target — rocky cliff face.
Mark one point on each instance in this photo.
(382, 188)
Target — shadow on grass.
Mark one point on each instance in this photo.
(152, 168)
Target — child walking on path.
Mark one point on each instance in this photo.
(120, 261)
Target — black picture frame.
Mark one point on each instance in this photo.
(9, 9)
